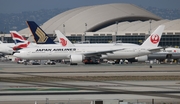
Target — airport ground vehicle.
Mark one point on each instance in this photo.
(32, 62)
(35, 63)
(111, 62)
(20, 61)
(50, 63)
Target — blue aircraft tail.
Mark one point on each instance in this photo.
(40, 36)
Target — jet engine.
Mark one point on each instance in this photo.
(138, 59)
(76, 58)
(142, 58)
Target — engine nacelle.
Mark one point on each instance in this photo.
(138, 59)
(76, 58)
(142, 58)
(103, 57)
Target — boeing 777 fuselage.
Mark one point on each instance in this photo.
(79, 53)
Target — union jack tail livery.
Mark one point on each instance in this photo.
(154, 39)
(40, 36)
(20, 41)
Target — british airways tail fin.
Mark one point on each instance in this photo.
(154, 39)
(40, 36)
(63, 40)
(19, 40)
(17, 37)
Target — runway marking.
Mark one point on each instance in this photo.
(39, 89)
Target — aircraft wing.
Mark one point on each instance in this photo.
(156, 49)
(99, 53)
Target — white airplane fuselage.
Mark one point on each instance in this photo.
(5, 49)
(42, 53)
(168, 53)
(125, 54)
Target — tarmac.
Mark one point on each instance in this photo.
(84, 83)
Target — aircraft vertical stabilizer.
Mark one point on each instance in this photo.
(19, 40)
(63, 39)
(154, 39)
(40, 36)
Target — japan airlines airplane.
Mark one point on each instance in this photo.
(62, 39)
(167, 53)
(77, 54)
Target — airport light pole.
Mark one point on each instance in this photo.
(83, 37)
(150, 21)
(146, 36)
(116, 32)
(2, 37)
(116, 27)
(64, 29)
(85, 27)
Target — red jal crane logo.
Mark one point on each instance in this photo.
(154, 38)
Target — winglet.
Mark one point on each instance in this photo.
(64, 41)
(154, 39)
(40, 36)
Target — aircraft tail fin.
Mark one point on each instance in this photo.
(63, 40)
(1, 42)
(19, 40)
(154, 39)
(40, 36)
(17, 37)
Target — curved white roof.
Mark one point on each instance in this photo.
(96, 17)
(103, 18)
(143, 26)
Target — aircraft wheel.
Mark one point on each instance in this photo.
(73, 63)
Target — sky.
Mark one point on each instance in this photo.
(18, 6)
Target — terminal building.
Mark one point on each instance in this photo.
(109, 23)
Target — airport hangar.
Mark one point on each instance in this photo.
(110, 23)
